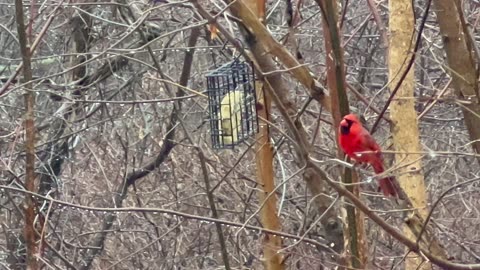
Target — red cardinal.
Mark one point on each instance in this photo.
(355, 139)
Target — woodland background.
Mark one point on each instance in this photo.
(105, 153)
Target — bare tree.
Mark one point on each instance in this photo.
(109, 165)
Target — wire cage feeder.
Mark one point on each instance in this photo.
(231, 103)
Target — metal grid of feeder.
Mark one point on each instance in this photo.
(231, 103)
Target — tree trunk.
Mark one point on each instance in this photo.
(354, 231)
(406, 139)
(461, 64)
(29, 233)
(265, 175)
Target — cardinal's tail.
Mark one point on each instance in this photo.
(387, 184)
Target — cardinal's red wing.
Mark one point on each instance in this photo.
(369, 142)
(357, 141)
(367, 148)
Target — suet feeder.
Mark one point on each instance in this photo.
(231, 104)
